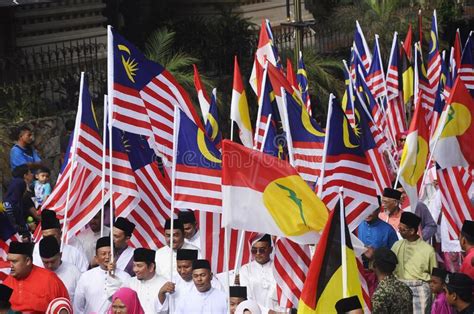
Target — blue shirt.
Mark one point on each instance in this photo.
(20, 156)
(377, 234)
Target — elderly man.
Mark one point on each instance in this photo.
(50, 227)
(204, 298)
(122, 232)
(147, 282)
(97, 285)
(163, 255)
(33, 287)
(191, 231)
(51, 257)
(416, 260)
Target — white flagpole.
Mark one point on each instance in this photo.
(289, 141)
(343, 242)
(73, 161)
(260, 101)
(326, 138)
(110, 95)
(104, 156)
(111, 214)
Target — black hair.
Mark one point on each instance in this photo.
(43, 169)
(22, 129)
(20, 171)
(466, 296)
(468, 238)
(385, 268)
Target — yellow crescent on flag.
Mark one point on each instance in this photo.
(345, 135)
(433, 40)
(307, 124)
(201, 140)
(130, 65)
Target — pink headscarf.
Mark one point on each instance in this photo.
(59, 304)
(130, 298)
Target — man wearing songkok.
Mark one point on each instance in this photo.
(467, 244)
(191, 232)
(33, 287)
(237, 294)
(97, 285)
(51, 257)
(5, 294)
(205, 298)
(416, 260)
(391, 295)
(258, 277)
(458, 292)
(88, 237)
(163, 262)
(375, 233)
(122, 232)
(50, 226)
(440, 304)
(349, 305)
(146, 283)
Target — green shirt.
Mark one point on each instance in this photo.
(415, 260)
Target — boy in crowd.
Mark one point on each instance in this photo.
(42, 186)
(440, 304)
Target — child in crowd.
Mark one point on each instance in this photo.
(440, 304)
(42, 186)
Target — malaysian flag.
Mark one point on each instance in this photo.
(212, 122)
(290, 266)
(303, 86)
(82, 169)
(197, 168)
(454, 184)
(466, 70)
(375, 77)
(361, 48)
(307, 141)
(396, 118)
(345, 165)
(434, 57)
(348, 97)
(143, 96)
(425, 90)
(203, 97)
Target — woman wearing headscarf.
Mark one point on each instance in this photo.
(125, 300)
(59, 306)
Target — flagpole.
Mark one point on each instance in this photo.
(104, 156)
(231, 129)
(111, 207)
(289, 141)
(343, 243)
(173, 179)
(73, 161)
(260, 101)
(325, 149)
(110, 95)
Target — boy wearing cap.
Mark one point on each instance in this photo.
(147, 282)
(237, 294)
(458, 292)
(122, 232)
(440, 304)
(97, 285)
(205, 298)
(33, 287)
(51, 258)
(191, 232)
(416, 260)
(467, 244)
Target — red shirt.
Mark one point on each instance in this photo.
(467, 266)
(34, 293)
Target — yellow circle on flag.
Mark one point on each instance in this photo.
(457, 121)
(293, 206)
(414, 169)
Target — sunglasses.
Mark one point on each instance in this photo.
(259, 250)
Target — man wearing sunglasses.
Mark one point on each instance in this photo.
(258, 277)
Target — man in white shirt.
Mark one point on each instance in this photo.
(163, 255)
(122, 232)
(205, 298)
(97, 285)
(258, 277)
(50, 226)
(51, 258)
(87, 238)
(147, 282)
(191, 231)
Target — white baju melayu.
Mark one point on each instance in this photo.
(147, 291)
(261, 284)
(70, 254)
(195, 240)
(95, 288)
(87, 239)
(163, 262)
(69, 275)
(212, 301)
(125, 260)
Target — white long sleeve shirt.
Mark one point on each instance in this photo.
(70, 254)
(147, 291)
(212, 301)
(163, 262)
(69, 275)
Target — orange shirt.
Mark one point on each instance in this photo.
(393, 220)
(34, 293)
(467, 266)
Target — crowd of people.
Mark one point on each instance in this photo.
(411, 264)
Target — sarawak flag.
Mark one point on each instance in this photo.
(262, 193)
(323, 285)
(455, 130)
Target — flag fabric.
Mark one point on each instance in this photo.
(203, 97)
(407, 79)
(456, 55)
(307, 141)
(272, 198)
(466, 70)
(415, 155)
(346, 166)
(213, 131)
(198, 168)
(361, 48)
(290, 75)
(348, 98)
(426, 91)
(456, 205)
(434, 58)
(455, 130)
(375, 77)
(323, 286)
(82, 168)
(302, 77)
(143, 96)
(407, 43)
(239, 108)
(290, 266)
